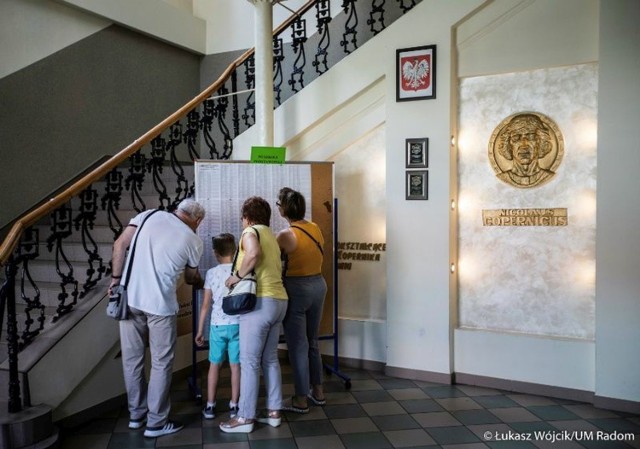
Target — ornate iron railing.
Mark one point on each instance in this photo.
(203, 128)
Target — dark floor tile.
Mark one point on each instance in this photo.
(443, 392)
(187, 446)
(344, 411)
(383, 408)
(213, 434)
(369, 440)
(320, 442)
(436, 419)
(514, 414)
(413, 438)
(130, 440)
(511, 445)
(97, 441)
(452, 435)
(333, 386)
(423, 384)
(532, 426)
(552, 412)
(498, 401)
(421, 406)
(595, 444)
(182, 395)
(471, 417)
(379, 375)
(311, 428)
(353, 425)
(395, 422)
(616, 425)
(96, 426)
(372, 396)
(194, 420)
(393, 384)
(279, 443)
(354, 374)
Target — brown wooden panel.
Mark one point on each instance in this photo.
(322, 215)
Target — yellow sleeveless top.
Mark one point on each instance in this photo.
(306, 259)
(269, 267)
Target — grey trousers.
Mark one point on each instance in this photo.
(259, 335)
(301, 329)
(153, 399)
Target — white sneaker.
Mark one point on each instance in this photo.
(137, 423)
(209, 412)
(169, 428)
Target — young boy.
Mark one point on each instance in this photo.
(225, 330)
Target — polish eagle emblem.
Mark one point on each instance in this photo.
(415, 73)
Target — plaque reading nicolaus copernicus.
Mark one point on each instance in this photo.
(526, 149)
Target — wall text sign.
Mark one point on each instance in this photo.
(525, 217)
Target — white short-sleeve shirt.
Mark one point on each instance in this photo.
(215, 282)
(164, 247)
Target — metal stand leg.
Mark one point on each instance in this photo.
(334, 368)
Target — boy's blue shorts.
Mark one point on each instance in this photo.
(224, 339)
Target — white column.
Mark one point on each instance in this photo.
(264, 71)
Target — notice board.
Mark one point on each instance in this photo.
(222, 186)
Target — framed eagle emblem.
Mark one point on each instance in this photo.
(416, 73)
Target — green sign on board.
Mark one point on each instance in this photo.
(268, 155)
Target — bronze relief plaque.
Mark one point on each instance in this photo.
(526, 149)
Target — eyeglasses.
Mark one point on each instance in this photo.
(278, 204)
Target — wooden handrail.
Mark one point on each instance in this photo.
(30, 218)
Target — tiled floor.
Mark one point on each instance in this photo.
(382, 412)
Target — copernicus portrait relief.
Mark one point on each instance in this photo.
(526, 149)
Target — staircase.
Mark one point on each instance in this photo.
(73, 233)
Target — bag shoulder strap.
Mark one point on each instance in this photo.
(311, 237)
(133, 247)
(235, 256)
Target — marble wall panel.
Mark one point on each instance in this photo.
(533, 280)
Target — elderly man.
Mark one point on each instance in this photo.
(166, 246)
(524, 141)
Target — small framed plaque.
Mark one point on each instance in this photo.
(417, 153)
(417, 185)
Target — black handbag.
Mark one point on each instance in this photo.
(118, 306)
(241, 298)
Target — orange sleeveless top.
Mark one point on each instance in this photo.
(306, 259)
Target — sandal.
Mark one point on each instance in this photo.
(295, 409)
(315, 400)
(271, 417)
(237, 425)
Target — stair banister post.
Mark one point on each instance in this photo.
(264, 70)
(15, 402)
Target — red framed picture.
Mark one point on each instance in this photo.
(416, 73)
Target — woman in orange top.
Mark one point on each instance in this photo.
(302, 244)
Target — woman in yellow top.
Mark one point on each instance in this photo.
(260, 328)
(302, 243)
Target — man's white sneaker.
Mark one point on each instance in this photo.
(169, 428)
(137, 423)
